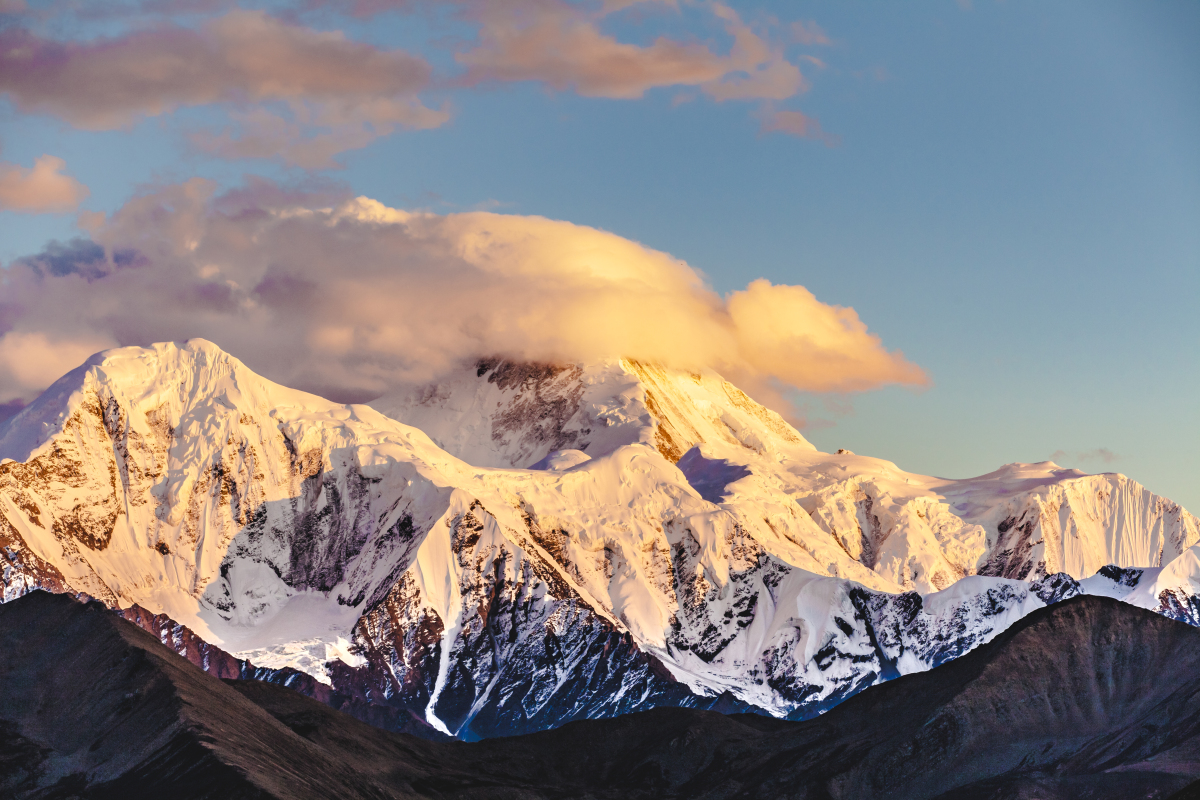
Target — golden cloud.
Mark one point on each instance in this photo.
(356, 298)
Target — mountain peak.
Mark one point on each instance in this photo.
(119, 369)
(500, 413)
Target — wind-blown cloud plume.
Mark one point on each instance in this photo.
(297, 92)
(304, 96)
(44, 188)
(353, 299)
(1102, 454)
(567, 45)
(561, 44)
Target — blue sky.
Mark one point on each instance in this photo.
(1011, 197)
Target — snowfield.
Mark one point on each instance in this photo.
(520, 545)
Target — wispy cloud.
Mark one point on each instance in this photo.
(562, 45)
(565, 47)
(809, 33)
(301, 93)
(1101, 454)
(793, 123)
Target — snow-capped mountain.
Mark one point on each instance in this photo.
(1022, 521)
(520, 545)
(504, 414)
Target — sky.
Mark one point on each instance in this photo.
(950, 234)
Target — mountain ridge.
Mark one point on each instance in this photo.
(1089, 698)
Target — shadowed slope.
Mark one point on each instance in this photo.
(1089, 698)
(94, 701)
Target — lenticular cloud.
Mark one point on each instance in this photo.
(350, 298)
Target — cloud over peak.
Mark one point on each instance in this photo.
(355, 298)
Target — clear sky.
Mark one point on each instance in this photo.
(1006, 192)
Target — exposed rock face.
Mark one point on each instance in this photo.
(526, 652)
(682, 545)
(353, 694)
(22, 570)
(1084, 523)
(505, 414)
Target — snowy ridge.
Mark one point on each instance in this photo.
(676, 543)
(912, 531)
(505, 414)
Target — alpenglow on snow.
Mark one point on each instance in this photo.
(520, 545)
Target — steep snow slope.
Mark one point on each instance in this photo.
(269, 521)
(141, 467)
(1024, 521)
(914, 531)
(677, 544)
(504, 414)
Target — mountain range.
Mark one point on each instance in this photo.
(518, 545)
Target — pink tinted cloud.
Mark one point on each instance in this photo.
(242, 56)
(561, 45)
(305, 96)
(793, 123)
(43, 188)
(310, 134)
(247, 60)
